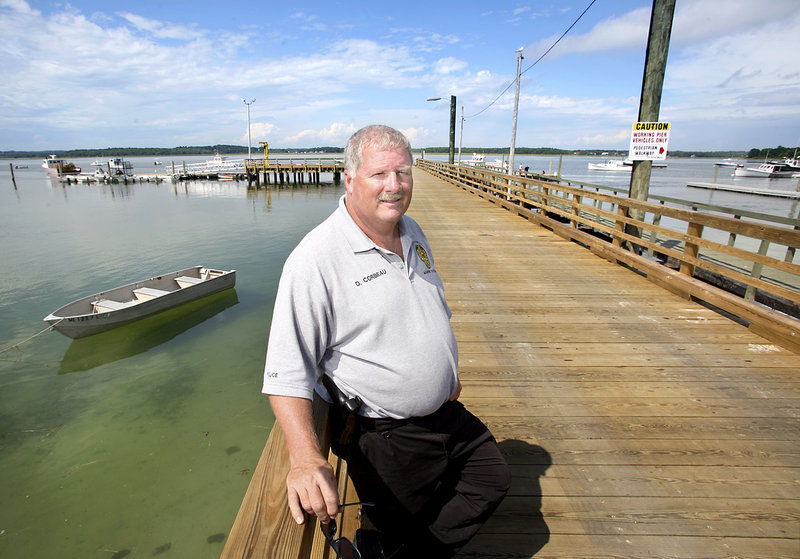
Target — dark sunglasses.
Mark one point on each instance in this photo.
(344, 548)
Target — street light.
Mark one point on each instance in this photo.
(248, 125)
(516, 108)
(452, 125)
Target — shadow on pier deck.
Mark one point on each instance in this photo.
(637, 423)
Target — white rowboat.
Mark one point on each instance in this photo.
(122, 305)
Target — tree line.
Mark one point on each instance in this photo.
(222, 149)
(227, 149)
(773, 153)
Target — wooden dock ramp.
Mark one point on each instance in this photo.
(637, 424)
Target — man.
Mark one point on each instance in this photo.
(360, 302)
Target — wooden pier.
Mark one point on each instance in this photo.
(261, 171)
(298, 171)
(637, 421)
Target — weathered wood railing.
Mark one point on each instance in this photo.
(745, 268)
(263, 528)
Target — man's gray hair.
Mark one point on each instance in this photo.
(380, 137)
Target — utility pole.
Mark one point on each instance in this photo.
(650, 102)
(452, 125)
(516, 110)
(452, 128)
(461, 135)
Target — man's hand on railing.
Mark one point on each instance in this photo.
(312, 488)
(311, 485)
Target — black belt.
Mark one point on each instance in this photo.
(386, 423)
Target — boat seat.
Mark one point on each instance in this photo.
(108, 305)
(186, 281)
(147, 293)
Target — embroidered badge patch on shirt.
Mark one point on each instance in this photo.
(423, 255)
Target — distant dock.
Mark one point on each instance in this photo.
(292, 170)
(114, 179)
(746, 190)
(258, 171)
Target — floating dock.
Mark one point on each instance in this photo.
(745, 189)
(114, 179)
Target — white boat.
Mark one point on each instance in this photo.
(770, 170)
(619, 165)
(610, 165)
(128, 303)
(793, 163)
(57, 167)
(727, 162)
(119, 167)
(478, 160)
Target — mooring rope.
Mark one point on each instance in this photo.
(16, 345)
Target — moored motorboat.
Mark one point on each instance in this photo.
(619, 165)
(610, 165)
(119, 167)
(477, 160)
(57, 167)
(770, 170)
(119, 306)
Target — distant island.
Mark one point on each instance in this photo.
(226, 149)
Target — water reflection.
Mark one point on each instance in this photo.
(85, 354)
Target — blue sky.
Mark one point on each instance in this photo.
(90, 74)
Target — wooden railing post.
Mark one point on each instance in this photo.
(576, 202)
(619, 225)
(758, 267)
(732, 236)
(694, 230)
(790, 250)
(654, 233)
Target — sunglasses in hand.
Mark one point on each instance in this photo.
(344, 548)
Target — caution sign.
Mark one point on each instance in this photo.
(649, 140)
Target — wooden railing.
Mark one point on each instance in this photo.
(742, 267)
(263, 528)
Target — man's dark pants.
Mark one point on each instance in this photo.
(435, 479)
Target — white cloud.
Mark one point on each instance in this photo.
(620, 32)
(416, 134)
(258, 131)
(160, 29)
(448, 65)
(336, 134)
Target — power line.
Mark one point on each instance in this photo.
(535, 63)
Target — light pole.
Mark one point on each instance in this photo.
(461, 135)
(248, 125)
(516, 108)
(452, 125)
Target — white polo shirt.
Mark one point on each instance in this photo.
(378, 325)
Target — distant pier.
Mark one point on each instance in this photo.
(297, 171)
(261, 171)
(746, 189)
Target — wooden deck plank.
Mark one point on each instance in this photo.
(636, 423)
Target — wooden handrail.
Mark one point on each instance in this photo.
(263, 528)
(578, 214)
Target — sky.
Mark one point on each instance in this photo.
(167, 73)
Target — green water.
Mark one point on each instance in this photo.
(138, 442)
